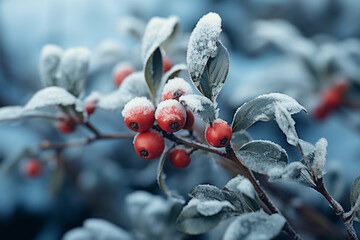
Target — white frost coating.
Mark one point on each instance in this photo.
(101, 229)
(50, 58)
(10, 113)
(212, 207)
(73, 68)
(255, 226)
(138, 104)
(202, 42)
(290, 104)
(50, 96)
(166, 110)
(242, 185)
(286, 123)
(157, 31)
(132, 86)
(177, 84)
(191, 203)
(319, 159)
(201, 106)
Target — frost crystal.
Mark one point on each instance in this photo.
(158, 30)
(138, 104)
(255, 226)
(201, 106)
(202, 42)
(50, 96)
(319, 159)
(175, 85)
(170, 109)
(212, 207)
(241, 184)
(286, 123)
(49, 62)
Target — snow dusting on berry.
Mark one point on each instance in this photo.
(138, 104)
(175, 85)
(169, 109)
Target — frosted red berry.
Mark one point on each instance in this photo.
(32, 168)
(179, 157)
(139, 114)
(170, 115)
(189, 120)
(67, 125)
(219, 135)
(121, 72)
(166, 64)
(90, 107)
(149, 145)
(175, 88)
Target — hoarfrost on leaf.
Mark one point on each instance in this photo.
(51, 96)
(255, 226)
(212, 207)
(262, 109)
(262, 156)
(240, 184)
(295, 172)
(355, 194)
(73, 68)
(157, 31)
(240, 138)
(320, 157)
(50, 58)
(101, 229)
(201, 106)
(201, 44)
(286, 124)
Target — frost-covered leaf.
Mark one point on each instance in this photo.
(286, 123)
(11, 113)
(192, 222)
(262, 156)
(201, 106)
(319, 158)
(157, 31)
(206, 192)
(50, 96)
(262, 109)
(212, 207)
(255, 226)
(295, 172)
(161, 179)
(73, 70)
(207, 58)
(132, 25)
(174, 72)
(241, 186)
(153, 72)
(133, 86)
(50, 58)
(240, 138)
(355, 194)
(215, 72)
(309, 152)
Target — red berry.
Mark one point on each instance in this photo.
(67, 125)
(321, 112)
(189, 120)
(170, 115)
(90, 107)
(331, 99)
(32, 168)
(121, 72)
(149, 145)
(166, 64)
(175, 88)
(219, 135)
(179, 157)
(138, 114)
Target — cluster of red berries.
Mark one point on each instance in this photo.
(140, 114)
(331, 99)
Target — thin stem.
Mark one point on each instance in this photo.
(320, 187)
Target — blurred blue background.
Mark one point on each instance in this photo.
(99, 177)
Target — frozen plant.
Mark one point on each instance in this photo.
(242, 200)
